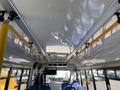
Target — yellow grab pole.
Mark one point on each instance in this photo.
(3, 39)
(12, 29)
(102, 35)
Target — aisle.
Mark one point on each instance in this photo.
(55, 86)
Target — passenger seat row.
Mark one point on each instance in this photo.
(72, 86)
(39, 88)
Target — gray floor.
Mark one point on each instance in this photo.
(55, 86)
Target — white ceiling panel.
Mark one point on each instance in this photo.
(48, 18)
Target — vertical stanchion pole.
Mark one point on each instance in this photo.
(86, 79)
(107, 80)
(4, 33)
(94, 84)
(77, 76)
(81, 78)
(70, 76)
(16, 72)
(20, 80)
(30, 78)
(26, 71)
(27, 86)
(3, 39)
(115, 74)
(8, 79)
(44, 80)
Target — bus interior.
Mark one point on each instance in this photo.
(59, 44)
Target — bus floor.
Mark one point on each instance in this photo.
(115, 85)
(55, 86)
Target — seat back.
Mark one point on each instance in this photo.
(64, 85)
(76, 84)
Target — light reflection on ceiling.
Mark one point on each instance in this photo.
(61, 22)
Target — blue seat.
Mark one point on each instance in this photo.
(69, 88)
(46, 87)
(65, 84)
(76, 85)
(34, 88)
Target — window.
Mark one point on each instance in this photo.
(59, 77)
(111, 74)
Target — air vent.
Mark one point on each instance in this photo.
(60, 64)
(54, 64)
(57, 65)
(50, 64)
(64, 64)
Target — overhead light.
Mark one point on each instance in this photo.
(61, 55)
(58, 49)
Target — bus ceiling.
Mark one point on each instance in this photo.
(66, 31)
